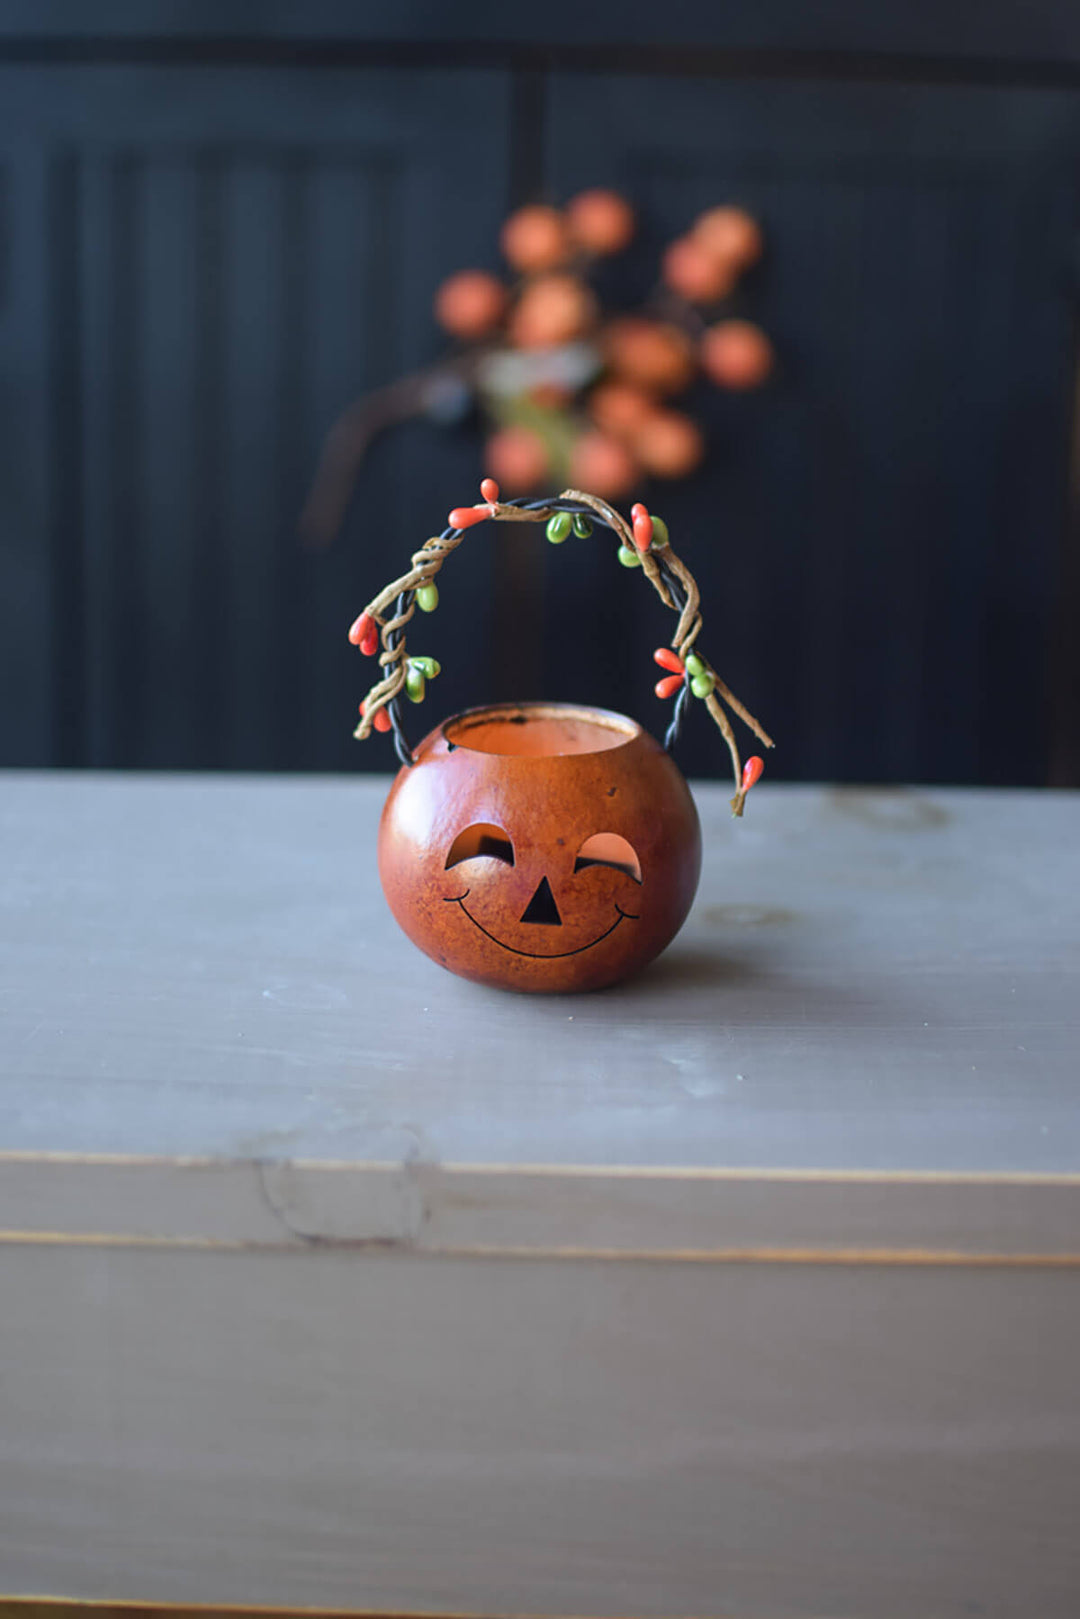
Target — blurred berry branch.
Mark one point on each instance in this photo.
(569, 391)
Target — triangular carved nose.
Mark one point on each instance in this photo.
(542, 907)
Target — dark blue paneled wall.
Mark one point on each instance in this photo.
(208, 247)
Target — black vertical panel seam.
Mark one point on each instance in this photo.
(1058, 678)
(382, 336)
(291, 683)
(125, 566)
(530, 91)
(1064, 761)
(1064, 654)
(211, 606)
(67, 560)
(518, 565)
(5, 237)
(1014, 717)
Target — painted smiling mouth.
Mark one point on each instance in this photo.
(539, 955)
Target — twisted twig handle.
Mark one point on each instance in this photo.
(643, 542)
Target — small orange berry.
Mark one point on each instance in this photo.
(517, 457)
(669, 660)
(380, 720)
(693, 272)
(470, 304)
(642, 527)
(669, 444)
(535, 238)
(551, 395)
(603, 465)
(600, 221)
(552, 309)
(649, 353)
(619, 407)
(731, 236)
(467, 516)
(752, 772)
(737, 354)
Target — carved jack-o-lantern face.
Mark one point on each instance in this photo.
(540, 847)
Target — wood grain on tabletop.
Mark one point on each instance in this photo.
(869, 980)
(508, 1422)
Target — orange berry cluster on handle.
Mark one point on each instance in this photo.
(671, 682)
(381, 720)
(643, 542)
(364, 633)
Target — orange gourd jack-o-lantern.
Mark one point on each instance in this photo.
(542, 846)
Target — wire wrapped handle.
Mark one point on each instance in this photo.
(387, 615)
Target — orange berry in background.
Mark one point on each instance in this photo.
(691, 270)
(551, 395)
(669, 444)
(552, 309)
(731, 236)
(535, 238)
(516, 458)
(737, 354)
(619, 408)
(600, 221)
(470, 303)
(649, 353)
(602, 465)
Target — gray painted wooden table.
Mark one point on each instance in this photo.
(751, 1288)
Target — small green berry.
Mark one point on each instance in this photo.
(660, 535)
(559, 527)
(694, 665)
(702, 685)
(428, 667)
(415, 684)
(581, 525)
(427, 598)
(628, 558)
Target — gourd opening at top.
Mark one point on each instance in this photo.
(539, 730)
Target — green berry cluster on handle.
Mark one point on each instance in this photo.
(563, 524)
(418, 671)
(701, 681)
(650, 533)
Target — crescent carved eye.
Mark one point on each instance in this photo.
(480, 839)
(609, 849)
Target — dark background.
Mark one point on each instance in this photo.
(220, 223)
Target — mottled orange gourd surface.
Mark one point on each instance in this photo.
(540, 847)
